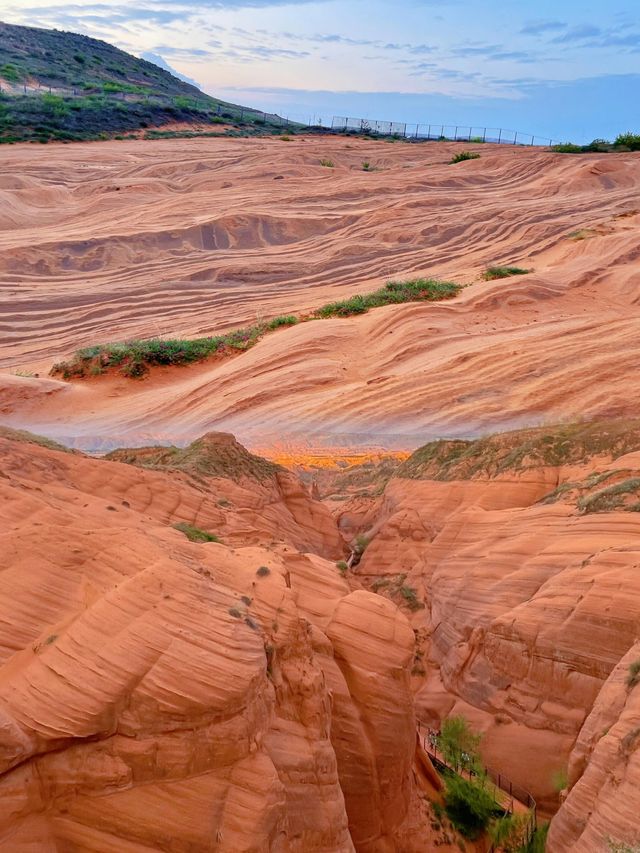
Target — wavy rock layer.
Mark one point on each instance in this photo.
(604, 772)
(157, 694)
(543, 347)
(522, 578)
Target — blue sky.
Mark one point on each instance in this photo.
(563, 69)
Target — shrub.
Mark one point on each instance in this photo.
(538, 843)
(195, 534)
(502, 272)
(634, 674)
(628, 140)
(463, 155)
(469, 806)
(411, 597)
(360, 544)
(233, 611)
(559, 780)
(342, 566)
(459, 744)
(567, 148)
(367, 167)
(507, 833)
(263, 571)
(328, 163)
(393, 292)
(284, 320)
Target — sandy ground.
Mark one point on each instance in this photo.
(104, 241)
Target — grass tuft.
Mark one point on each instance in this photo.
(393, 293)
(195, 534)
(502, 272)
(634, 674)
(461, 156)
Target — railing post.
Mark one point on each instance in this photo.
(499, 135)
(455, 135)
(484, 135)
(429, 133)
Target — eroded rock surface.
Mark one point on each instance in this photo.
(161, 694)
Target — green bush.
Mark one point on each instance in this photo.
(469, 807)
(634, 674)
(195, 534)
(502, 272)
(507, 833)
(567, 148)
(628, 140)
(393, 292)
(10, 73)
(328, 163)
(459, 745)
(461, 156)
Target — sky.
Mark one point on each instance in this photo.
(563, 69)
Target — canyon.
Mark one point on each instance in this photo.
(248, 691)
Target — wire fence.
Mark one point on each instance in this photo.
(435, 131)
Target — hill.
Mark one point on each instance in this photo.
(66, 86)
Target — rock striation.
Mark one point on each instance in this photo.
(162, 694)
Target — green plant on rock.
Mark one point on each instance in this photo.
(492, 273)
(195, 534)
(469, 806)
(633, 677)
(507, 833)
(461, 156)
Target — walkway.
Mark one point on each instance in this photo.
(512, 798)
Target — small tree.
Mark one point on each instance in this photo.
(469, 806)
(459, 744)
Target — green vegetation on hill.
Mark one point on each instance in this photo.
(133, 358)
(563, 444)
(64, 86)
(213, 455)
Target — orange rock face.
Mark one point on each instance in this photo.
(160, 694)
(525, 588)
(603, 804)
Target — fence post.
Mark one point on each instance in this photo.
(515, 138)
(532, 139)
(499, 134)
(484, 135)
(455, 135)
(470, 129)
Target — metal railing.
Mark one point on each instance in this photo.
(448, 132)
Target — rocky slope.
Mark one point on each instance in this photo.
(603, 802)
(160, 694)
(516, 558)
